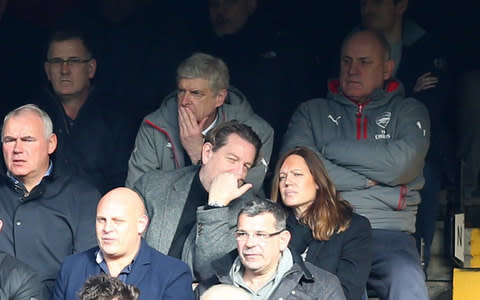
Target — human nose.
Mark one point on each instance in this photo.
(65, 67)
(18, 146)
(184, 98)
(251, 240)
(353, 68)
(107, 226)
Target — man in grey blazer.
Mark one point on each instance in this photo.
(193, 210)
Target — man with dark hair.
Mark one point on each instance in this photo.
(421, 66)
(264, 266)
(47, 214)
(104, 287)
(373, 143)
(122, 253)
(193, 209)
(94, 136)
(172, 136)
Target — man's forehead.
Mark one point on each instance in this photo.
(258, 222)
(26, 121)
(74, 44)
(235, 146)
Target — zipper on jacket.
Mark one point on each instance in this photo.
(361, 121)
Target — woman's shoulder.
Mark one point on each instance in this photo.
(359, 225)
(360, 221)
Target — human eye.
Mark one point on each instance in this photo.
(232, 159)
(118, 221)
(74, 60)
(8, 140)
(100, 220)
(282, 177)
(297, 174)
(241, 235)
(197, 94)
(28, 139)
(365, 62)
(55, 61)
(262, 236)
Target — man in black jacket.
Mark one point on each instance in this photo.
(95, 134)
(47, 215)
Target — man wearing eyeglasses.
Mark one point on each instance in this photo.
(264, 266)
(95, 136)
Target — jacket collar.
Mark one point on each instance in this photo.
(222, 266)
(379, 96)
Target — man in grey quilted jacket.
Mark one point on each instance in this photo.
(373, 142)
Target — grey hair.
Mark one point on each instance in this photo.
(260, 206)
(47, 122)
(206, 66)
(378, 35)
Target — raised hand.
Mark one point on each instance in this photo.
(225, 188)
(425, 82)
(191, 133)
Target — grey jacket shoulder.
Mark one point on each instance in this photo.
(308, 282)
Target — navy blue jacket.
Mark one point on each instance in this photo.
(156, 275)
(52, 221)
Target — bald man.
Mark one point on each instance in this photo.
(372, 141)
(122, 253)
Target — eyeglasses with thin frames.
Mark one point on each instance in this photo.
(71, 61)
(259, 237)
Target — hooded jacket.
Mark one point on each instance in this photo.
(158, 145)
(384, 140)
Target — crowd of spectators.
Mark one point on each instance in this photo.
(169, 118)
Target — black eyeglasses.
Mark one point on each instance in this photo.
(71, 61)
(260, 237)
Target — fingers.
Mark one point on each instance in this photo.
(244, 188)
(425, 82)
(186, 117)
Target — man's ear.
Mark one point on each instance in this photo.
(388, 69)
(52, 143)
(220, 97)
(92, 68)
(285, 237)
(207, 151)
(1, 225)
(142, 224)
